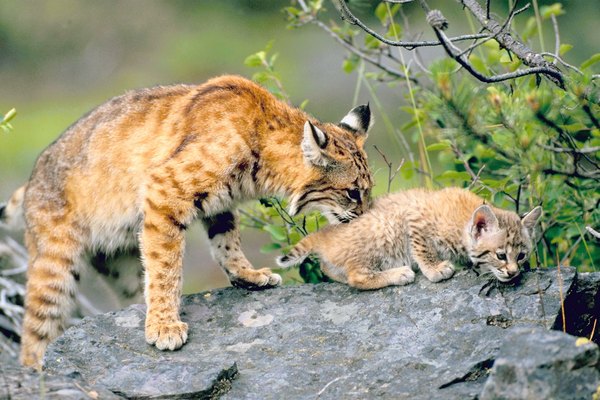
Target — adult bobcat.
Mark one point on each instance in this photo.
(142, 166)
(430, 229)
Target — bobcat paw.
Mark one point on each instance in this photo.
(443, 270)
(32, 356)
(401, 276)
(167, 335)
(256, 279)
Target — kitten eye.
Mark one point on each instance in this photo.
(353, 194)
(521, 256)
(501, 256)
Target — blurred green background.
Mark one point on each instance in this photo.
(60, 58)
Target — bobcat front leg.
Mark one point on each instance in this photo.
(428, 261)
(224, 236)
(162, 245)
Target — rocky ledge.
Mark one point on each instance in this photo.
(468, 337)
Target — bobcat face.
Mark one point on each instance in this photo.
(501, 244)
(342, 188)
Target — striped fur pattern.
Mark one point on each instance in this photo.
(140, 168)
(431, 230)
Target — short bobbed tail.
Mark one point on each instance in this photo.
(297, 254)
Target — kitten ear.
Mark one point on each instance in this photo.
(483, 221)
(530, 219)
(359, 120)
(314, 142)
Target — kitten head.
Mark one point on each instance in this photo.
(341, 185)
(500, 241)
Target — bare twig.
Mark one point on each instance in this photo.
(391, 175)
(556, 37)
(352, 19)
(359, 53)
(504, 27)
(573, 174)
(563, 62)
(474, 176)
(534, 60)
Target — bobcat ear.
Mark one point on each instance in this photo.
(314, 142)
(482, 222)
(359, 120)
(530, 219)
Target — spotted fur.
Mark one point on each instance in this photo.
(141, 167)
(433, 230)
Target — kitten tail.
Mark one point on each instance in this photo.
(298, 253)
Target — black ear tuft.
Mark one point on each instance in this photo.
(358, 120)
(2, 212)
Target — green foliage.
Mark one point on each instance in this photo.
(519, 144)
(271, 216)
(5, 119)
(267, 77)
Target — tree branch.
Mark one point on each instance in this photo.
(352, 19)
(583, 150)
(523, 52)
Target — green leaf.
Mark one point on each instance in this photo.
(554, 9)
(269, 248)
(381, 12)
(394, 31)
(477, 63)
(255, 60)
(293, 11)
(350, 63)
(438, 146)
(303, 105)
(455, 175)
(591, 61)
(564, 48)
(9, 115)
(505, 58)
(371, 42)
(277, 232)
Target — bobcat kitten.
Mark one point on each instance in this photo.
(140, 167)
(433, 229)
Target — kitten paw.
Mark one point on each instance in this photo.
(167, 336)
(256, 279)
(401, 276)
(440, 272)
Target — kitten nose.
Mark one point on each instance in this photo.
(512, 270)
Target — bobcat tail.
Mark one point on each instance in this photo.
(298, 253)
(11, 213)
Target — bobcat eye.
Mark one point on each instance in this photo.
(353, 194)
(521, 256)
(501, 256)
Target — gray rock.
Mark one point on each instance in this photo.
(538, 364)
(329, 341)
(19, 383)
